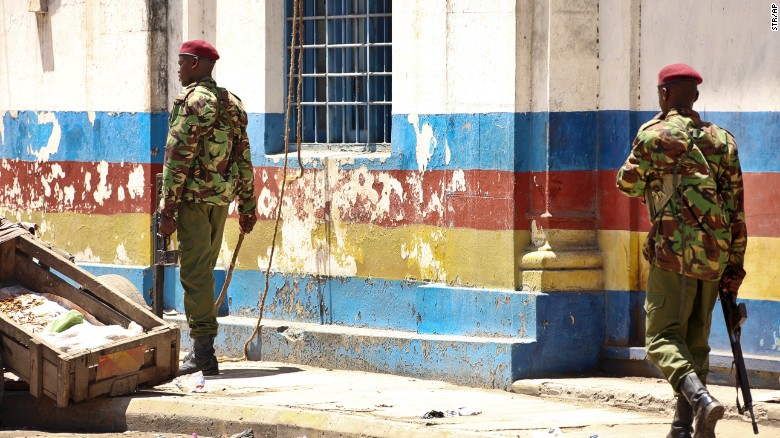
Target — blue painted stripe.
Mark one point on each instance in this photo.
(112, 137)
(512, 142)
(616, 131)
(757, 135)
(355, 302)
(408, 306)
(559, 323)
(267, 130)
(760, 333)
(487, 362)
(476, 312)
(621, 310)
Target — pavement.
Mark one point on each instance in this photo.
(288, 400)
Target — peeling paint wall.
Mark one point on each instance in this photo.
(508, 116)
(82, 87)
(94, 150)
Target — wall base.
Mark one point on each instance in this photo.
(463, 360)
(469, 336)
(763, 371)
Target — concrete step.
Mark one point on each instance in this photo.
(490, 362)
(763, 371)
(463, 335)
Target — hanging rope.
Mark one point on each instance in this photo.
(297, 30)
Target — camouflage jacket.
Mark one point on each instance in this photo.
(700, 231)
(207, 157)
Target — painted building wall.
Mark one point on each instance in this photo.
(83, 112)
(739, 93)
(510, 119)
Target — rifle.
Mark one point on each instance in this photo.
(161, 255)
(735, 315)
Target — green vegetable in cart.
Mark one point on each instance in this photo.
(66, 321)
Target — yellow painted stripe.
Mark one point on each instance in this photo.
(420, 252)
(626, 269)
(121, 239)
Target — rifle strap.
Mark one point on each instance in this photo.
(224, 94)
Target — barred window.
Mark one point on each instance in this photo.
(346, 75)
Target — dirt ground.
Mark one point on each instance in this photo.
(41, 434)
(725, 429)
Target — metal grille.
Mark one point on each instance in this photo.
(347, 73)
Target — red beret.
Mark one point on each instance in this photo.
(199, 48)
(677, 73)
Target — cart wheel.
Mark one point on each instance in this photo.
(123, 286)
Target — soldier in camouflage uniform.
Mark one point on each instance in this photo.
(207, 166)
(688, 173)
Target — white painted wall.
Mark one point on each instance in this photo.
(572, 60)
(450, 56)
(524, 36)
(188, 20)
(178, 32)
(480, 56)
(249, 36)
(84, 55)
(729, 42)
(419, 56)
(557, 55)
(453, 56)
(618, 54)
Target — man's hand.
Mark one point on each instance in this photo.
(247, 222)
(167, 225)
(730, 284)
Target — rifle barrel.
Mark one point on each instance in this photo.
(728, 303)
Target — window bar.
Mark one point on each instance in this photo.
(359, 80)
(383, 113)
(368, 78)
(327, 80)
(358, 45)
(300, 119)
(313, 81)
(334, 16)
(357, 74)
(343, 79)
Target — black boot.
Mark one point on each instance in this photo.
(202, 357)
(706, 410)
(682, 425)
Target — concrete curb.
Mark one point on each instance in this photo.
(281, 400)
(151, 412)
(644, 395)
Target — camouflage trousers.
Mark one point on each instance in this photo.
(200, 228)
(677, 340)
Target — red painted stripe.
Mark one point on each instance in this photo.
(618, 211)
(474, 199)
(79, 187)
(465, 199)
(762, 209)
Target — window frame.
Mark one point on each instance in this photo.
(365, 121)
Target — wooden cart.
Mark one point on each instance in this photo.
(115, 369)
